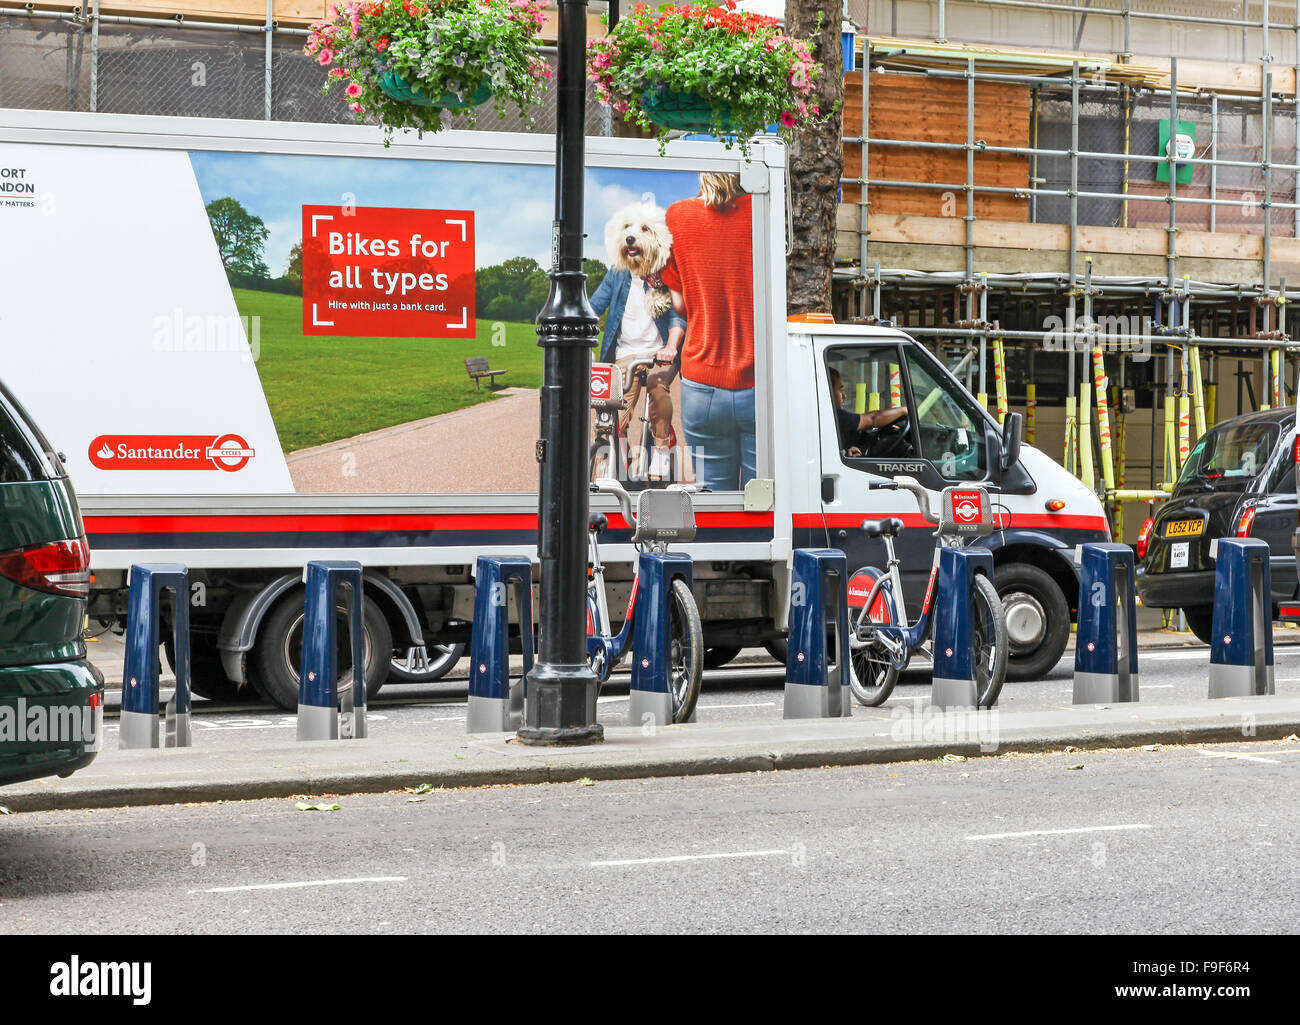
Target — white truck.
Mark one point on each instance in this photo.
(216, 410)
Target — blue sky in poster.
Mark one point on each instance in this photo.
(513, 204)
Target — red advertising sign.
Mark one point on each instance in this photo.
(228, 452)
(966, 506)
(387, 272)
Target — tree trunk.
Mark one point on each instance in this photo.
(816, 164)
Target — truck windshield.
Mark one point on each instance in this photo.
(1234, 452)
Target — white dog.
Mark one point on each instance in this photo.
(638, 241)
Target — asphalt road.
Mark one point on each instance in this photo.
(1170, 840)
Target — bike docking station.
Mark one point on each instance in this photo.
(326, 711)
(138, 726)
(496, 704)
(1241, 655)
(815, 683)
(650, 699)
(966, 512)
(1105, 650)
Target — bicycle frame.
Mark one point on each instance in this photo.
(900, 637)
(601, 641)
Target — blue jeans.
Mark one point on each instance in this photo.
(719, 425)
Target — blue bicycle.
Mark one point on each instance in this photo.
(882, 641)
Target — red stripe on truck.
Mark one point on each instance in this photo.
(1016, 520)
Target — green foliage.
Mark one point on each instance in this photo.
(241, 237)
(752, 74)
(517, 289)
(440, 49)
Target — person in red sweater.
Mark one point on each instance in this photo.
(711, 277)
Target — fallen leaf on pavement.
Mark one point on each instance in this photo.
(586, 781)
(304, 806)
(954, 758)
(415, 800)
(4, 810)
(1150, 747)
(1074, 766)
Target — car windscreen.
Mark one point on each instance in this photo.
(1229, 455)
(25, 455)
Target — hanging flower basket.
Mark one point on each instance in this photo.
(714, 69)
(689, 112)
(397, 87)
(404, 63)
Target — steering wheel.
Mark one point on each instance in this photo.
(881, 442)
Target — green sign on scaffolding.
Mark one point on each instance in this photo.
(1186, 149)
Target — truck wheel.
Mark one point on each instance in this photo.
(1201, 622)
(208, 678)
(277, 655)
(719, 655)
(1038, 619)
(778, 648)
(442, 659)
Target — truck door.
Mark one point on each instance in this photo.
(941, 439)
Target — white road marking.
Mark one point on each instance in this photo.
(301, 885)
(1231, 754)
(687, 857)
(1056, 832)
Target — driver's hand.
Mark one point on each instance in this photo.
(853, 452)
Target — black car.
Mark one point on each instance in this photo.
(1239, 481)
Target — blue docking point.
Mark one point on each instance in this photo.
(954, 660)
(319, 700)
(138, 726)
(1241, 652)
(652, 666)
(495, 704)
(817, 654)
(1105, 653)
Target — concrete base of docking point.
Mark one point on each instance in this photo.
(953, 694)
(649, 706)
(1096, 688)
(809, 701)
(488, 715)
(316, 723)
(137, 730)
(1239, 681)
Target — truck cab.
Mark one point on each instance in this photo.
(944, 438)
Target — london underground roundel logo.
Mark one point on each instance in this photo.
(230, 452)
(599, 384)
(967, 511)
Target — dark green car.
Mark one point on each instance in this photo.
(51, 698)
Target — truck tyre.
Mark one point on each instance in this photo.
(277, 653)
(1200, 621)
(719, 655)
(1038, 619)
(442, 659)
(208, 677)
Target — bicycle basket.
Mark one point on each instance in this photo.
(663, 515)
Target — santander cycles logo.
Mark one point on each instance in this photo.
(966, 507)
(228, 452)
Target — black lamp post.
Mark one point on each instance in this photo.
(561, 705)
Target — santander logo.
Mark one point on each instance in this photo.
(228, 452)
(600, 381)
(966, 506)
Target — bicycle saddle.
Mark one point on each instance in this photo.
(597, 522)
(889, 527)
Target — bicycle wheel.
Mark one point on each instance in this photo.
(686, 639)
(871, 673)
(988, 641)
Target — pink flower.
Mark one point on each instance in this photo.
(353, 90)
(787, 119)
(355, 107)
(601, 60)
(325, 57)
(816, 110)
(338, 73)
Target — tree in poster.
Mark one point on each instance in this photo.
(241, 237)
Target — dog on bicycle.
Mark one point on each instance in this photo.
(641, 325)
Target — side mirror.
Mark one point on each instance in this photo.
(1012, 431)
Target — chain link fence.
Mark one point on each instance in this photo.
(49, 63)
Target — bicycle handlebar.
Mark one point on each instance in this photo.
(609, 486)
(911, 484)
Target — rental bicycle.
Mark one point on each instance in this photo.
(882, 641)
(611, 453)
(661, 516)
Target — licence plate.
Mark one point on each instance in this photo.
(1184, 528)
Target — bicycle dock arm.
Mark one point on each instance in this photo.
(910, 484)
(609, 486)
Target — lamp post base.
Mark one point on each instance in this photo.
(563, 697)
